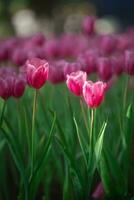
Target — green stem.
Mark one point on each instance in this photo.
(91, 128)
(125, 93)
(33, 135)
(19, 121)
(91, 153)
(83, 113)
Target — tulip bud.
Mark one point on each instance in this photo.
(36, 72)
(94, 93)
(75, 82)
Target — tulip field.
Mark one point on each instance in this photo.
(67, 116)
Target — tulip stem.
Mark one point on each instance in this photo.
(33, 135)
(125, 93)
(91, 127)
(83, 112)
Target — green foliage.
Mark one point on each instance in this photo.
(65, 156)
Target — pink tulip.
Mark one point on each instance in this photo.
(56, 71)
(129, 62)
(51, 48)
(118, 64)
(3, 52)
(38, 39)
(94, 93)
(98, 192)
(105, 68)
(124, 41)
(88, 60)
(108, 43)
(88, 25)
(18, 56)
(75, 82)
(69, 42)
(71, 67)
(18, 87)
(5, 91)
(36, 72)
(12, 84)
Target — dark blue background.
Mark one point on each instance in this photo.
(122, 9)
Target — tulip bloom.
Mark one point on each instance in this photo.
(75, 82)
(36, 72)
(93, 93)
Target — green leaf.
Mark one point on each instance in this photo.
(41, 162)
(2, 144)
(128, 134)
(67, 192)
(99, 143)
(17, 159)
(80, 142)
(111, 173)
(42, 156)
(73, 169)
(128, 114)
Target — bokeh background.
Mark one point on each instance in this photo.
(25, 17)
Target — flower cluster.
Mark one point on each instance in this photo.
(11, 82)
(106, 55)
(93, 93)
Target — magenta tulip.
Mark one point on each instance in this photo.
(18, 87)
(36, 72)
(98, 192)
(129, 62)
(75, 82)
(94, 93)
(88, 25)
(105, 68)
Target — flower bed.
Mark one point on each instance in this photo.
(67, 116)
